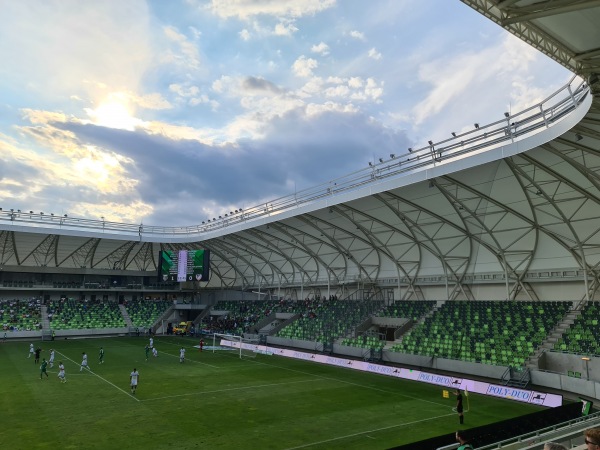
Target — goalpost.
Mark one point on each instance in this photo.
(246, 348)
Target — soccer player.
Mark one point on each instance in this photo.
(147, 348)
(151, 342)
(61, 373)
(37, 355)
(154, 352)
(182, 355)
(51, 360)
(84, 362)
(31, 350)
(101, 356)
(134, 377)
(43, 368)
(201, 344)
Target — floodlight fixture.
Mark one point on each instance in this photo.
(430, 142)
(64, 215)
(392, 155)
(410, 149)
(507, 115)
(453, 134)
(30, 212)
(578, 137)
(370, 164)
(380, 160)
(477, 126)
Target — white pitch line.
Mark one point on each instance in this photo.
(191, 360)
(368, 431)
(103, 379)
(228, 390)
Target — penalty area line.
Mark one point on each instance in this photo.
(103, 379)
(190, 360)
(368, 432)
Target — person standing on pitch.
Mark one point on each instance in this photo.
(147, 351)
(43, 368)
(182, 355)
(201, 344)
(151, 342)
(84, 362)
(51, 360)
(101, 356)
(31, 350)
(37, 355)
(134, 377)
(459, 406)
(61, 373)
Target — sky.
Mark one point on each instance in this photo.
(173, 112)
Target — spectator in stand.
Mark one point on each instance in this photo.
(463, 440)
(592, 438)
(554, 446)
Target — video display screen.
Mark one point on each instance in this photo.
(183, 265)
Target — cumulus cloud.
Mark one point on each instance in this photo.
(322, 49)
(303, 66)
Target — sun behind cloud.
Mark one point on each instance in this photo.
(114, 112)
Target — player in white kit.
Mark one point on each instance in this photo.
(61, 373)
(84, 362)
(134, 377)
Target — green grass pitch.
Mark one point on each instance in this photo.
(216, 401)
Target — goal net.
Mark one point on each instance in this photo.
(246, 348)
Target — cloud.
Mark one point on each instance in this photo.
(303, 66)
(183, 52)
(50, 53)
(322, 49)
(374, 54)
(247, 9)
(106, 169)
(260, 85)
(357, 35)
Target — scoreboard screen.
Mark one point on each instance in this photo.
(183, 265)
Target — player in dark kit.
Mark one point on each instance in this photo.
(459, 406)
(43, 368)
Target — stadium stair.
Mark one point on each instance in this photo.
(125, 315)
(561, 328)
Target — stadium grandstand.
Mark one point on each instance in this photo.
(476, 255)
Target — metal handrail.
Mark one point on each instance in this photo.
(513, 127)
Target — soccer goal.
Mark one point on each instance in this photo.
(246, 348)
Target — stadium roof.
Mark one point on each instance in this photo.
(510, 199)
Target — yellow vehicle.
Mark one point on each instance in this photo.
(183, 328)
